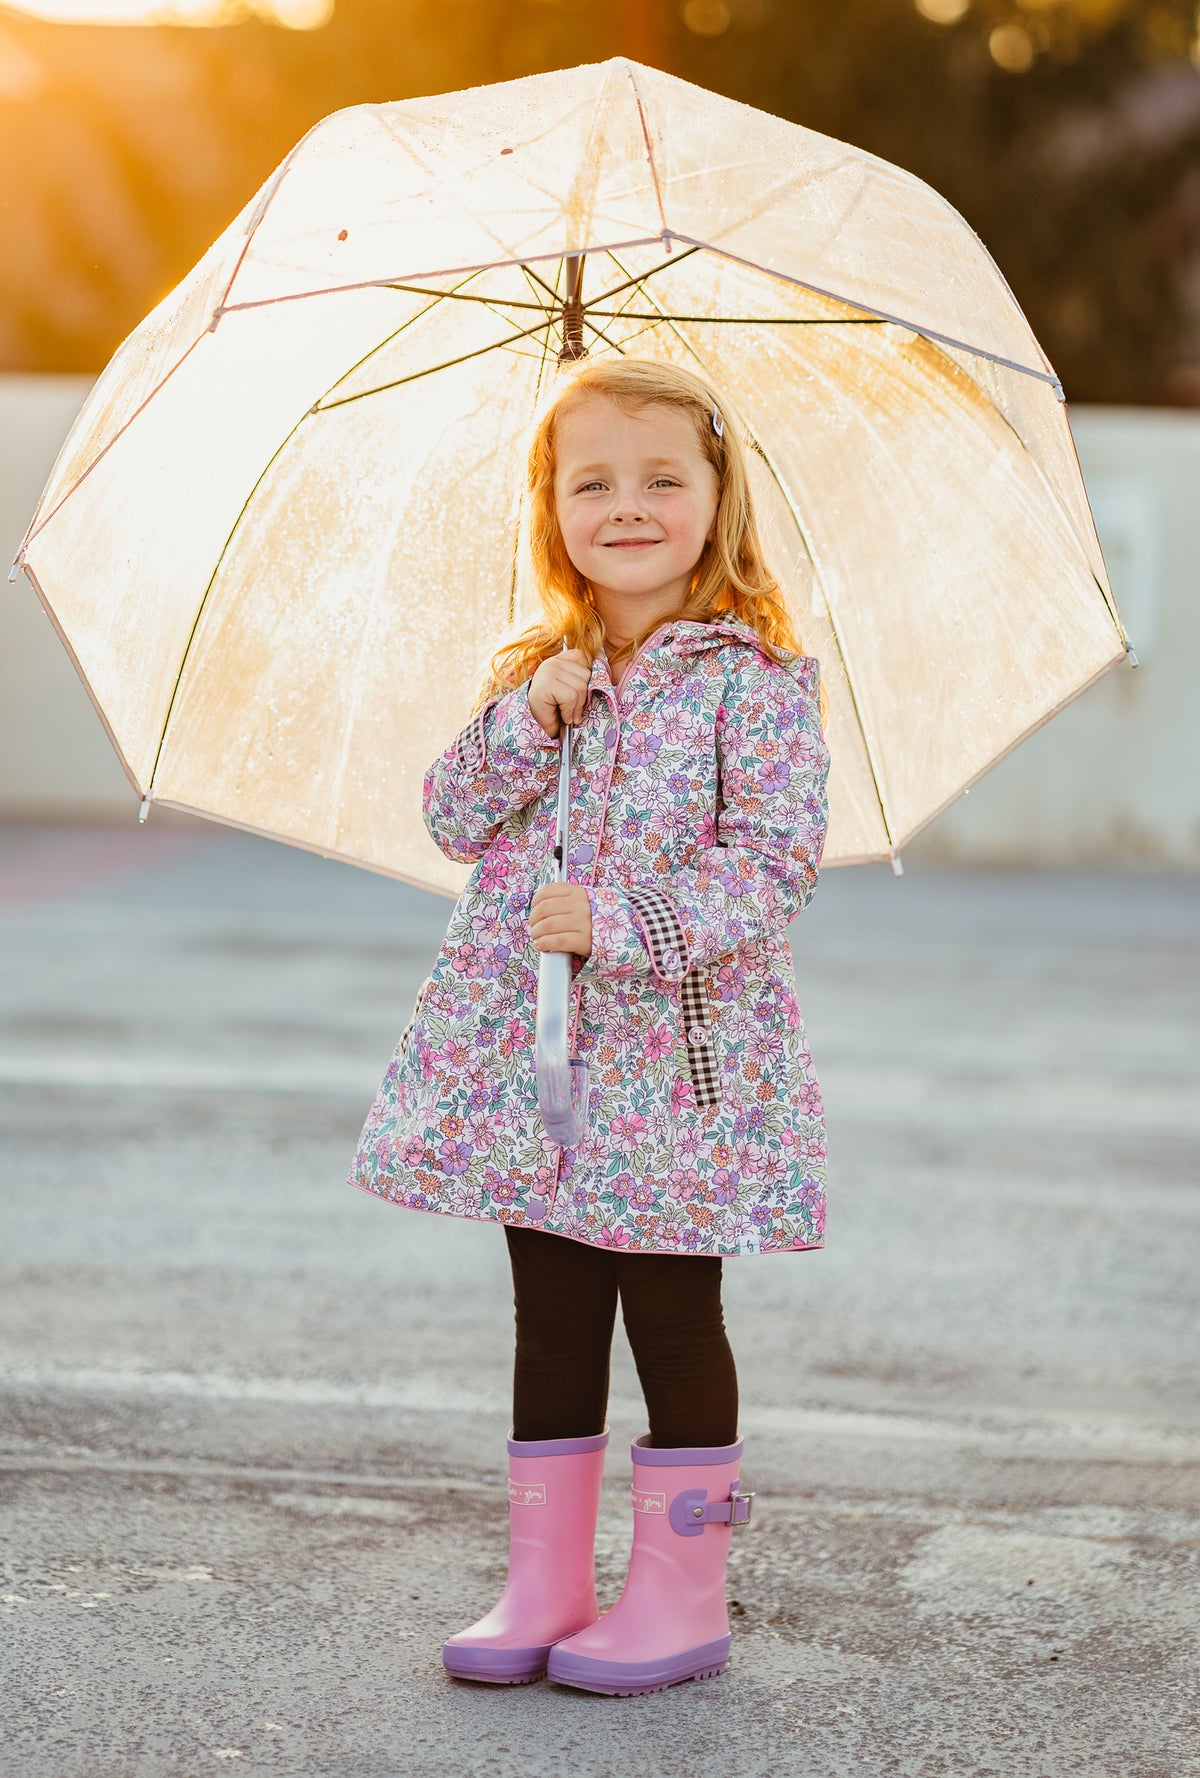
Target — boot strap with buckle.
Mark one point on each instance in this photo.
(692, 1510)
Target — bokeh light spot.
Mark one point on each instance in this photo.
(1011, 48)
(707, 18)
(943, 12)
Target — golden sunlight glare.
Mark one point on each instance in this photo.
(296, 15)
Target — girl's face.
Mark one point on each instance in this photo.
(636, 500)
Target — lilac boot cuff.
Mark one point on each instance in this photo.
(683, 1456)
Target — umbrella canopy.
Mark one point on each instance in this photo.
(285, 531)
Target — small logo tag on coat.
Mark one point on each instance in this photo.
(527, 1493)
(648, 1503)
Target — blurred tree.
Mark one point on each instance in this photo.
(1067, 132)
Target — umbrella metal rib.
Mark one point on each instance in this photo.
(761, 451)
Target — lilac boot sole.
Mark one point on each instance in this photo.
(496, 1666)
(631, 1679)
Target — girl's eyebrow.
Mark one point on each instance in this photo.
(646, 463)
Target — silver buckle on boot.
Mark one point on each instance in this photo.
(734, 1520)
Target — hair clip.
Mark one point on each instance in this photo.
(718, 423)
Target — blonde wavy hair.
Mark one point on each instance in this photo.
(730, 579)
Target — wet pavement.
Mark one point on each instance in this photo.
(252, 1422)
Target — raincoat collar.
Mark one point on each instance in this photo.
(683, 637)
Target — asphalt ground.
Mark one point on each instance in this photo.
(252, 1422)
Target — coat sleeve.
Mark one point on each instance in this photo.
(497, 764)
(762, 869)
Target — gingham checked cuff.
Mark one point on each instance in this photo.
(633, 927)
(662, 931)
(506, 728)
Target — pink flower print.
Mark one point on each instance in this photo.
(488, 923)
(688, 1144)
(728, 981)
(659, 1041)
(627, 1132)
(466, 959)
(621, 1186)
(504, 1192)
(764, 1046)
(614, 1237)
(455, 1157)
(410, 1151)
(658, 1124)
(808, 1097)
(771, 1170)
(642, 1197)
(606, 925)
(513, 1037)
(682, 1097)
(775, 777)
(455, 1055)
(683, 1183)
(494, 871)
(486, 1128)
(679, 824)
(543, 1179)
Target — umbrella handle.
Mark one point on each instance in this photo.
(562, 1080)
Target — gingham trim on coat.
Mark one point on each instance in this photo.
(470, 748)
(696, 1010)
(662, 930)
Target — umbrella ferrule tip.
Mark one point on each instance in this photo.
(18, 564)
(143, 811)
(1132, 653)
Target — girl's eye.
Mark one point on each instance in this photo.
(670, 481)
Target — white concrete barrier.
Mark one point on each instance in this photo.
(1113, 780)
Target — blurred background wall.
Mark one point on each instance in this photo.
(1067, 132)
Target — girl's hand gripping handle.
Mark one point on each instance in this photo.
(558, 689)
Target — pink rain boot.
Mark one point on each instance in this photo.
(553, 1498)
(671, 1622)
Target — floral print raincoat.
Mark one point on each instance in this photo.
(697, 820)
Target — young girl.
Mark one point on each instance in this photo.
(697, 822)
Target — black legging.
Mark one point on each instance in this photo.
(566, 1302)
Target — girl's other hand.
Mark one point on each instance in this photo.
(560, 918)
(558, 691)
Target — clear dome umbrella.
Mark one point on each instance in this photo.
(286, 530)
